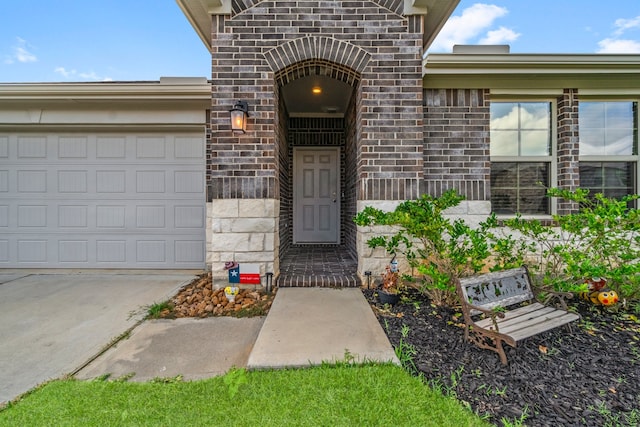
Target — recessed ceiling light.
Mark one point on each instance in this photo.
(317, 90)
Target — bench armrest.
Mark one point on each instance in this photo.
(560, 296)
(491, 313)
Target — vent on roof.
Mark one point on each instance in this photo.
(481, 48)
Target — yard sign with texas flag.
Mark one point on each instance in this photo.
(248, 274)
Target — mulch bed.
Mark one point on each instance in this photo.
(584, 374)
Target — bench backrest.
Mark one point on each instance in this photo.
(502, 288)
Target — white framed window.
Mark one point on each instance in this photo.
(523, 166)
(608, 147)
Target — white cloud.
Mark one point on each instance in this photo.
(500, 36)
(20, 53)
(473, 22)
(623, 25)
(615, 44)
(619, 46)
(74, 74)
(64, 72)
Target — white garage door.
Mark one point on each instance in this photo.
(102, 200)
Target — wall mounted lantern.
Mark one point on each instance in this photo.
(239, 114)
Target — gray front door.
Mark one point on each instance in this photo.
(316, 207)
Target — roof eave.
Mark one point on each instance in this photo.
(170, 89)
(471, 64)
(199, 12)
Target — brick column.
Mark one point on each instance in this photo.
(391, 162)
(568, 150)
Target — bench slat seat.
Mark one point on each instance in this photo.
(527, 321)
(482, 294)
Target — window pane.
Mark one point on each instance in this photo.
(608, 178)
(618, 114)
(533, 201)
(535, 115)
(534, 175)
(519, 187)
(504, 175)
(504, 143)
(504, 201)
(591, 142)
(617, 174)
(590, 116)
(520, 129)
(504, 115)
(618, 142)
(535, 143)
(607, 128)
(590, 175)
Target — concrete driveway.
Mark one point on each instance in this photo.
(52, 324)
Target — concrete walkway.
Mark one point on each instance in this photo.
(308, 326)
(191, 348)
(52, 324)
(305, 326)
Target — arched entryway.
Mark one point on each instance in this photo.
(317, 160)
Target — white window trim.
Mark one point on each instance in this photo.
(632, 158)
(552, 158)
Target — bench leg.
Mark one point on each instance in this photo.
(500, 350)
(487, 342)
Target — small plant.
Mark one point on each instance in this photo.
(517, 422)
(405, 352)
(234, 379)
(156, 310)
(499, 309)
(455, 376)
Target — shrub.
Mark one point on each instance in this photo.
(602, 239)
(438, 248)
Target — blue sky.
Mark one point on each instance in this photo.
(122, 40)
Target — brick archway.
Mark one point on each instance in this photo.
(325, 50)
(322, 132)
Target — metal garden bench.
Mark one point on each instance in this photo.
(489, 321)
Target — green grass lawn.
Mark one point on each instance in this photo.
(345, 395)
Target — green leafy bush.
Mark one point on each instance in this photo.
(438, 248)
(602, 239)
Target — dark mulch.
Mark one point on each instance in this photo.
(584, 374)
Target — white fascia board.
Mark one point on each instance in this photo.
(198, 13)
(474, 64)
(103, 91)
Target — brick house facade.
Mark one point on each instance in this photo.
(407, 124)
(412, 125)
